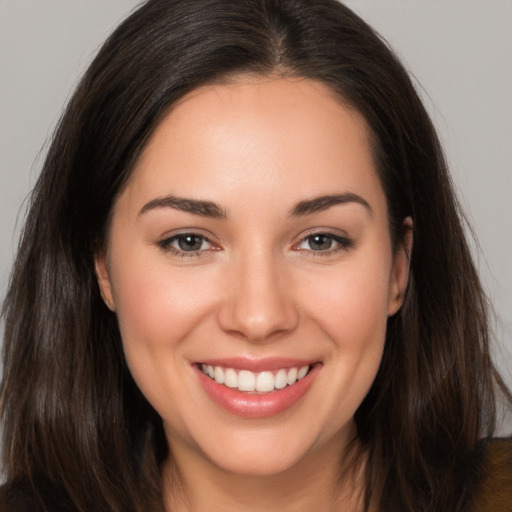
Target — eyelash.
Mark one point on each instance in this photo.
(341, 244)
(167, 246)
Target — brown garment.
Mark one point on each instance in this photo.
(493, 490)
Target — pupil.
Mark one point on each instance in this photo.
(320, 242)
(189, 242)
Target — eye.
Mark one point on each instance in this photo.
(186, 244)
(324, 243)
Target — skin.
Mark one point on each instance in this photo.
(257, 288)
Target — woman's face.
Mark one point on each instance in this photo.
(252, 241)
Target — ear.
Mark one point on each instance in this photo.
(102, 275)
(400, 269)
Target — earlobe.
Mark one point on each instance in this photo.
(102, 275)
(401, 265)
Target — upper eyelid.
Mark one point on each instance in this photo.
(188, 231)
(343, 241)
(168, 240)
(334, 233)
(335, 238)
(166, 245)
(331, 232)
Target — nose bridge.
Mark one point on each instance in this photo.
(258, 303)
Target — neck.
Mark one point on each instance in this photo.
(326, 480)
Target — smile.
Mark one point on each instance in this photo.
(256, 389)
(261, 382)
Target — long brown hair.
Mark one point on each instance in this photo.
(74, 421)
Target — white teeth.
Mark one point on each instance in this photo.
(265, 382)
(230, 378)
(292, 376)
(262, 382)
(302, 372)
(281, 379)
(246, 381)
(219, 375)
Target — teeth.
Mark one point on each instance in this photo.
(230, 378)
(246, 381)
(263, 382)
(292, 376)
(302, 372)
(218, 375)
(281, 379)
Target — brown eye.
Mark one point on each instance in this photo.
(324, 243)
(186, 244)
(190, 243)
(320, 242)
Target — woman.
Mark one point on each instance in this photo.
(243, 283)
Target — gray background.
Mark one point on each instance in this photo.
(460, 51)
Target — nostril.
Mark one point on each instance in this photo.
(258, 319)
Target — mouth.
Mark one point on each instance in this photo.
(259, 382)
(266, 389)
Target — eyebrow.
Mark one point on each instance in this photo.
(213, 210)
(319, 204)
(195, 206)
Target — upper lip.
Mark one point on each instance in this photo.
(258, 365)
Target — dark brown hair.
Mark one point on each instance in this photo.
(75, 426)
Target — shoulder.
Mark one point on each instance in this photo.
(492, 490)
(21, 495)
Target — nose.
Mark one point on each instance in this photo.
(258, 301)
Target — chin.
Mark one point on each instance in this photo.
(268, 450)
(258, 463)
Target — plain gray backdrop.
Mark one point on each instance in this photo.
(460, 51)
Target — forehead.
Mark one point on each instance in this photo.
(262, 138)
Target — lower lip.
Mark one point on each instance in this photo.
(254, 405)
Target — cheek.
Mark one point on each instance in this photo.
(158, 307)
(352, 305)
(351, 310)
(150, 299)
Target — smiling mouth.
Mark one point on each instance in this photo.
(257, 389)
(255, 382)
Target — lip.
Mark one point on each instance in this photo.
(255, 405)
